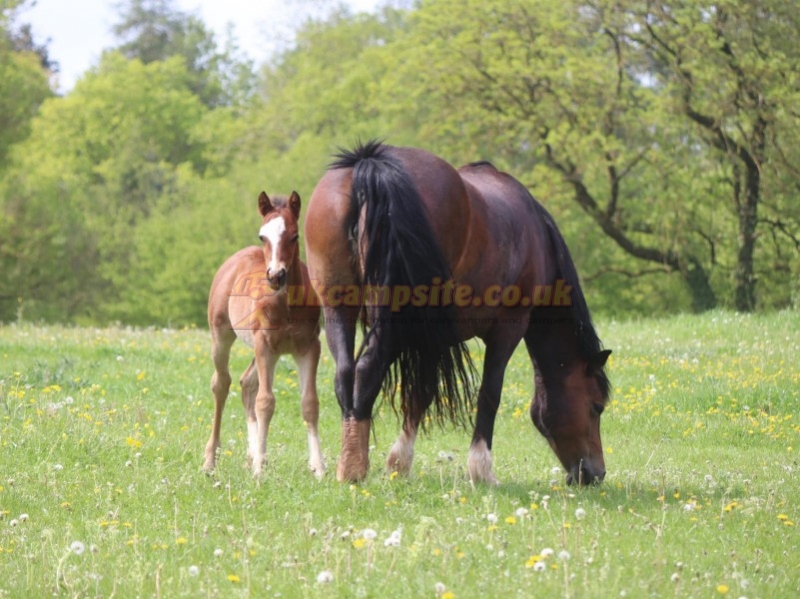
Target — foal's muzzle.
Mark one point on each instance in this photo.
(276, 279)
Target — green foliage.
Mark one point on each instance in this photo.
(661, 135)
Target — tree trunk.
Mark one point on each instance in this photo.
(745, 294)
(696, 279)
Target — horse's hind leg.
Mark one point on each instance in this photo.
(249, 383)
(309, 401)
(401, 455)
(222, 340)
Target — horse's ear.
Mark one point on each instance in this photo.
(294, 204)
(264, 205)
(597, 361)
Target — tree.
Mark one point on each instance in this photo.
(153, 30)
(24, 79)
(732, 69)
(568, 94)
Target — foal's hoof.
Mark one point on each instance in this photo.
(318, 470)
(399, 461)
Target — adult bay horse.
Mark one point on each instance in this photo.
(248, 300)
(440, 256)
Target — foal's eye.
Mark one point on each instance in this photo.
(261, 237)
(598, 408)
(296, 237)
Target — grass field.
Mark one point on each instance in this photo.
(102, 434)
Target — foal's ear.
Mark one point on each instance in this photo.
(294, 204)
(264, 205)
(597, 361)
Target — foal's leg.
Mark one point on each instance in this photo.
(309, 402)
(249, 383)
(499, 349)
(266, 360)
(221, 341)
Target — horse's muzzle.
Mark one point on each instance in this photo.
(585, 474)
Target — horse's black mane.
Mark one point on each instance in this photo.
(482, 163)
(589, 344)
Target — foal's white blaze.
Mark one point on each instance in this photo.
(479, 464)
(272, 232)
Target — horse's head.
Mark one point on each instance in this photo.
(279, 233)
(566, 409)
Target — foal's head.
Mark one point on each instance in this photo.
(279, 233)
(570, 397)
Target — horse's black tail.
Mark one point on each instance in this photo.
(397, 248)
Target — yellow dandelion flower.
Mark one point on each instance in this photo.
(788, 523)
(233, 578)
(783, 517)
(181, 541)
(359, 543)
(532, 560)
(448, 595)
(723, 589)
(393, 475)
(511, 520)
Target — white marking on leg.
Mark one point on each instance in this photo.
(479, 464)
(307, 372)
(401, 456)
(252, 439)
(272, 232)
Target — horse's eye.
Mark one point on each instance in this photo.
(261, 237)
(296, 237)
(598, 408)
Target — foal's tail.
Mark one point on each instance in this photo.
(419, 345)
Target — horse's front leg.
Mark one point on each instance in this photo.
(499, 349)
(266, 360)
(307, 370)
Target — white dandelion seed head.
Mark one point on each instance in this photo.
(194, 570)
(94, 548)
(580, 513)
(217, 552)
(58, 467)
(539, 567)
(440, 588)
(325, 577)
(77, 547)
(14, 522)
(555, 470)
(545, 497)
(709, 478)
(492, 518)
(546, 552)
(312, 532)
(521, 512)
(563, 555)
(369, 534)
(501, 553)
(394, 539)
(459, 520)
(675, 577)
(23, 517)
(120, 358)
(345, 535)
(128, 464)
(69, 400)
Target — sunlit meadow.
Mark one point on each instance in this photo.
(101, 493)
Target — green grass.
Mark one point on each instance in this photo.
(102, 434)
